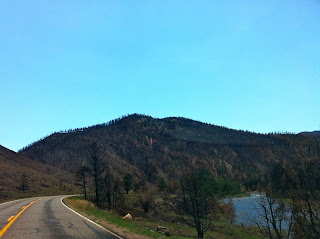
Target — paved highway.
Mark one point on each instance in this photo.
(45, 217)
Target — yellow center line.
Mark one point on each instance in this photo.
(15, 217)
(10, 218)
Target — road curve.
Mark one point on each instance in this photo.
(45, 217)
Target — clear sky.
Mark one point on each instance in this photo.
(252, 65)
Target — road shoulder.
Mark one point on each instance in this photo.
(121, 233)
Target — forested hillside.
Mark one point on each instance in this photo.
(150, 148)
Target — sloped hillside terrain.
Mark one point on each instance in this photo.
(41, 179)
(314, 133)
(150, 148)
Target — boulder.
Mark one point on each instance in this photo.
(163, 230)
(127, 217)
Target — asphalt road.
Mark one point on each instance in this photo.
(39, 218)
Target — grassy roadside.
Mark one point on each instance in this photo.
(146, 227)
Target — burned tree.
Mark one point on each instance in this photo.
(306, 199)
(298, 181)
(112, 190)
(96, 168)
(276, 218)
(197, 204)
(81, 177)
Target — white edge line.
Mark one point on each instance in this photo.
(88, 218)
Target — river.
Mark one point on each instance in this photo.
(246, 209)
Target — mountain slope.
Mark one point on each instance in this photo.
(149, 148)
(313, 133)
(42, 179)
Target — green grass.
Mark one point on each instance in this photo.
(130, 225)
(99, 214)
(147, 227)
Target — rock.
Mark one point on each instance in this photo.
(163, 230)
(127, 217)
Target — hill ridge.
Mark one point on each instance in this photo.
(151, 148)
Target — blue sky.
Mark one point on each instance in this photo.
(252, 65)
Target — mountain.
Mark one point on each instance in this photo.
(313, 133)
(42, 179)
(149, 148)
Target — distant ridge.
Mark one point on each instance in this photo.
(312, 133)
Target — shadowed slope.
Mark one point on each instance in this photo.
(42, 179)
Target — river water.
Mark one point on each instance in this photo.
(246, 209)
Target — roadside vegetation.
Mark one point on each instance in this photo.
(187, 203)
(186, 206)
(145, 225)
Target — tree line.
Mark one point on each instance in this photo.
(81, 129)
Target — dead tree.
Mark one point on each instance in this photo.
(196, 204)
(97, 167)
(275, 218)
(306, 199)
(81, 176)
